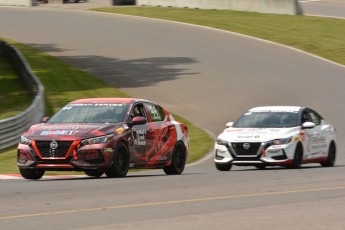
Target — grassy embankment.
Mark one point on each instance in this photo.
(64, 83)
(321, 36)
(10, 90)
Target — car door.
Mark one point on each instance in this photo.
(158, 152)
(315, 138)
(319, 141)
(141, 137)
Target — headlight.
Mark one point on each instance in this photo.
(281, 141)
(221, 142)
(98, 140)
(24, 140)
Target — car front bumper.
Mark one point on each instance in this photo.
(263, 155)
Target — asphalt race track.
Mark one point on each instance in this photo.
(330, 8)
(209, 77)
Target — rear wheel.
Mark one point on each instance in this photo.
(223, 167)
(94, 173)
(32, 174)
(178, 161)
(298, 157)
(120, 165)
(331, 156)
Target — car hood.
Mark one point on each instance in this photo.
(46, 131)
(256, 134)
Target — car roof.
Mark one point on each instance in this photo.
(107, 100)
(276, 109)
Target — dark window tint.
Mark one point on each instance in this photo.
(269, 119)
(315, 117)
(156, 112)
(91, 113)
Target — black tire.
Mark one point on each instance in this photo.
(223, 167)
(94, 173)
(261, 166)
(298, 158)
(120, 164)
(331, 156)
(32, 174)
(178, 161)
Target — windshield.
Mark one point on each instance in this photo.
(91, 113)
(267, 119)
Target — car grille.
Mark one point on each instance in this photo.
(46, 152)
(241, 151)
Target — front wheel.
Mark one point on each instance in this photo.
(32, 174)
(178, 161)
(331, 157)
(298, 157)
(223, 167)
(120, 164)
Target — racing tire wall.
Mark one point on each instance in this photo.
(11, 128)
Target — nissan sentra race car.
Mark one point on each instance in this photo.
(276, 136)
(104, 135)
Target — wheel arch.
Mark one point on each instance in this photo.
(300, 146)
(178, 143)
(334, 144)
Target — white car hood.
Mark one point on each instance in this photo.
(256, 134)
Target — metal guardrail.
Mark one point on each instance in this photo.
(11, 128)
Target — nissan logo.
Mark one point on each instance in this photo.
(246, 145)
(53, 145)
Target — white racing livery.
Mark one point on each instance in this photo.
(276, 136)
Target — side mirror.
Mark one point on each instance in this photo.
(44, 119)
(308, 125)
(138, 121)
(229, 124)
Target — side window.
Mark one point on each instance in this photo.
(156, 112)
(305, 117)
(138, 110)
(315, 117)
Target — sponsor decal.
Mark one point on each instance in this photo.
(318, 139)
(234, 130)
(107, 150)
(273, 151)
(120, 130)
(139, 136)
(58, 132)
(319, 146)
(277, 111)
(92, 104)
(248, 136)
(163, 158)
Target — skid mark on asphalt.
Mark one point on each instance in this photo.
(150, 204)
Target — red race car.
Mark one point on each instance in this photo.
(104, 135)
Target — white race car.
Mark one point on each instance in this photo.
(276, 136)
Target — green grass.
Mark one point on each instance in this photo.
(200, 141)
(11, 89)
(321, 36)
(64, 83)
